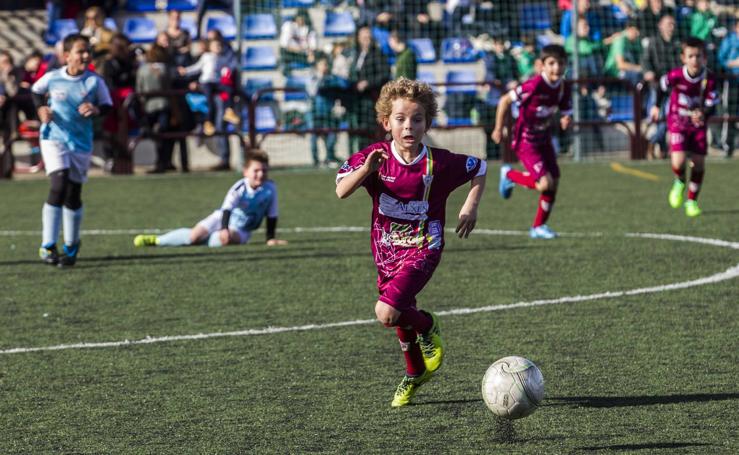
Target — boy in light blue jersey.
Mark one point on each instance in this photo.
(75, 95)
(246, 204)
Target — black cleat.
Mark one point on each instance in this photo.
(49, 256)
(69, 258)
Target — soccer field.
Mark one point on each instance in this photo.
(273, 350)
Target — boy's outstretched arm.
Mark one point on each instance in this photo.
(468, 214)
(348, 184)
(500, 115)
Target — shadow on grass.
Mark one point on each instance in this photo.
(719, 212)
(617, 402)
(646, 446)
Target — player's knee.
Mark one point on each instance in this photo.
(58, 188)
(387, 315)
(546, 183)
(73, 196)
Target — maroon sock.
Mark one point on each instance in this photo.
(522, 178)
(414, 365)
(546, 202)
(419, 321)
(694, 187)
(679, 173)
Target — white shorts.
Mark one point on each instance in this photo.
(212, 223)
(57, 157)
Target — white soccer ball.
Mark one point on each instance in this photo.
(513, 387)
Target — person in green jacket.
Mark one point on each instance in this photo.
(405, 60)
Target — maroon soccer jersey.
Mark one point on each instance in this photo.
(538, 100)
(409, 202)
(688, 94)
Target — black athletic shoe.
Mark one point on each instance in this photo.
(49, 256)
(69, 258)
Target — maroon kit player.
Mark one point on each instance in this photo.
(538, 99)
(409, 183)
(693, 97)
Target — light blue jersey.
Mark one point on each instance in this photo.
(66, 94)
(252, 204)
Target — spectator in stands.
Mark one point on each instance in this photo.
(649, 17)
(298, 42)
(209, 69)
(340, 62)
(10, 79)
(228, 5)
(728, 59)
(100, 36)
(154, 76)
(702, 20)
(661, 55)
(405, 58)
(57, 59)
(589, 50)
(583, 10)
(179, 39)
(624, 56)
(119, 72)
(369, 71)
(411, 16)
(324, 88)
(501, 72)
(525, 58)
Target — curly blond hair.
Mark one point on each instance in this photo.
(419, 92)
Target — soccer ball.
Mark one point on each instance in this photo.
(513, 387)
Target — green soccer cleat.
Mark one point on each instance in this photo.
(676, 194)
(691, 208)
(432, 345)
(145, 240)
(49, 256)
(407, 388)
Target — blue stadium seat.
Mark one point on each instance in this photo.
(265, 119)
(339, 24)
(189, 25)
(297, 3)
(260, 58)
(458, 50)
(140, 29)
(534, 17)
(110, 23)
(426, 76)
(260, 26)
(225, 24)
(424, 49)
(299, 82)
(460, 98)
(622, 108)
(142, 6)
(182, 5)
(256, 83)
(461, 77)
(59, 29)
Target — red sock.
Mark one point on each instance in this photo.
(546, 201)
(522, 178)
(419, 321)
(679, 173)
(414, 365)
(694, 187)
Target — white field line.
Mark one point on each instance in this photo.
(728, 274)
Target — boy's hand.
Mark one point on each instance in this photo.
(224, 235)
(45, 114)
(467, 221)
(565, 122)
(276, 242)
(697, 117)
(497, 135)
(654, 114)
(375, 159)
(87, 109)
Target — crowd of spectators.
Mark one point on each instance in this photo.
(633, 40)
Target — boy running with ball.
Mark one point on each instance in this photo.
(693, 98)
(538, 100)
(409, 183)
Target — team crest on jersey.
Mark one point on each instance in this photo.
(427, 179)
(345, 167)
(471, 163)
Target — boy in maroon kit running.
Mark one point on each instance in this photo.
(538, 100)
(409, 183)
(692, 100)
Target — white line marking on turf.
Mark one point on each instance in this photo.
(728, 274)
